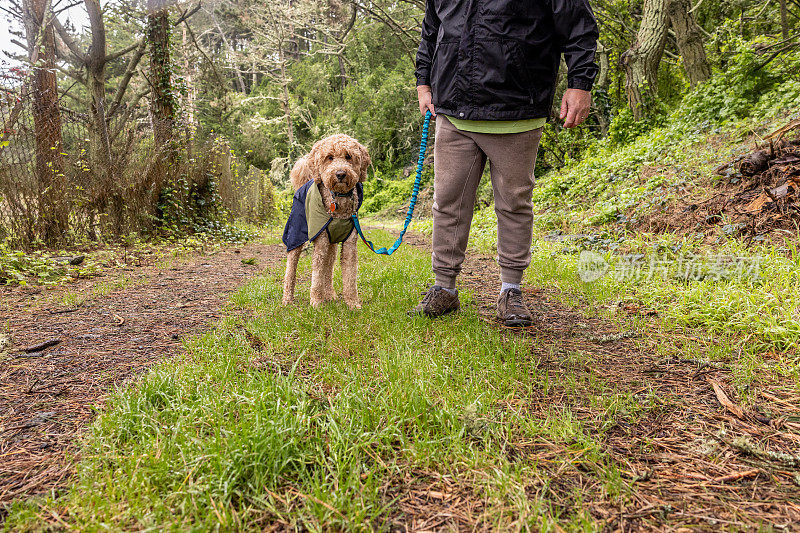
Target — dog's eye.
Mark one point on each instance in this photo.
(330, 158)
(348, 157)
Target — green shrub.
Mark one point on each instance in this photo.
(625, 129)
(382, 191)
(732, 93)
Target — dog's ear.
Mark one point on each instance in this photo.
(366, 161)
(301, 173)
(314, 160)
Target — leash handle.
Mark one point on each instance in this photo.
(423, 146)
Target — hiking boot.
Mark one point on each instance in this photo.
(436, 302)
(511, 310)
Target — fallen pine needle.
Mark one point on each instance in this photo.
(778, 400)
(723, 399)
(315, 499)
(737, 475)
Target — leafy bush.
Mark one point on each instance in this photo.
(733, 93)
(625, 129)
(606, 174)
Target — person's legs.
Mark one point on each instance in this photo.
(458, 165)
(512, 160)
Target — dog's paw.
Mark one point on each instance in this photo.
(331, 296)
(316, 302)
(353, 304)
(287, 301)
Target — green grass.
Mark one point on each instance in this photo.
(324, 419)
(71, 298)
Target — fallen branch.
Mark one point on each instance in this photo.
(41, 346)
(63, 311)
(744, 445)
(780, 132)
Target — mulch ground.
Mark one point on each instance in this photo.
(758, 194)
(695, 458)
(48, 395)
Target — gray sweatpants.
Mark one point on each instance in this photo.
(459, 159)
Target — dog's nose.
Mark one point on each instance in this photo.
(341, 175)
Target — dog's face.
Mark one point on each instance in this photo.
(339, 162)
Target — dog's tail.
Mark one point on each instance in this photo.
(301, 173)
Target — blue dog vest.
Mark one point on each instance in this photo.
(309, 216)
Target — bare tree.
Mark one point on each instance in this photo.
(274, 41)
(341, 36)
(93, 63)
(406, 34)
(232, 53)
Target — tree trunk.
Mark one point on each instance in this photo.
(254, 81)
(340, 44)
(232, 51)
(99, 138)
(601, 102)
(162, 105)
(784, 19)
(642, 59)
(286, 102)
(162, 102)
(188, 74)
(49, 169)
(690, 41)
(342, 72)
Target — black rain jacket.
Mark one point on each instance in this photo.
(498, 59)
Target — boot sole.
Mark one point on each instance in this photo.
(432, 315)
(516, 323)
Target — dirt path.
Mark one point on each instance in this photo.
(48, 396)
(689, 460)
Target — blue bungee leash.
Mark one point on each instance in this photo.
(423, 145)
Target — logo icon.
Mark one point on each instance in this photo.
(591, 266)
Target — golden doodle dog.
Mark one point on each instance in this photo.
(328, 192)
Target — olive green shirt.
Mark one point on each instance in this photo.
(497, 126)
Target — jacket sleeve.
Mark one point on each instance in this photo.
(577, 28)
(430, 30)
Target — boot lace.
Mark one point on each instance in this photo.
(514, 303)
(428, 296)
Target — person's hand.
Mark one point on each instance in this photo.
(425, 99)
(574, 107)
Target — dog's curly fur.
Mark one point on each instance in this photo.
(337, 163)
